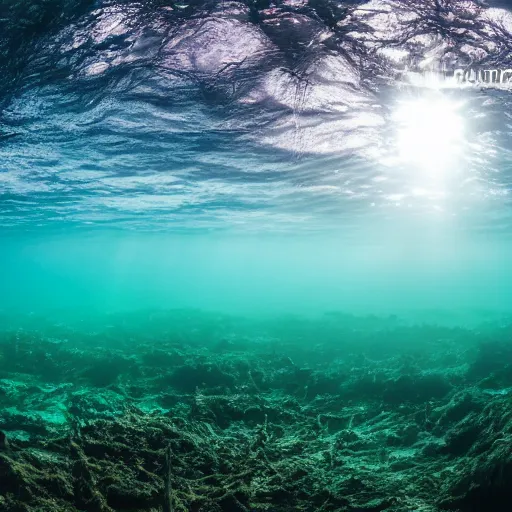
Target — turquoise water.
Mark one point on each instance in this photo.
(113, 271)
(255, 256)
(251, 164)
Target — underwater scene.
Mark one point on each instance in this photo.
(255, 256)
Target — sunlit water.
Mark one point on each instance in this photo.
(255, 255)
(254, 157)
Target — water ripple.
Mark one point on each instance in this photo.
(213, 115)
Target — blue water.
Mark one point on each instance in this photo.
(255, 255)
(250, 155)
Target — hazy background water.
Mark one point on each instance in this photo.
(245, 157)
(448, 281)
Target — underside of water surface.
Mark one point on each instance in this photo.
(255, 256)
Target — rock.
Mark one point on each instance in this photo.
(4, 444)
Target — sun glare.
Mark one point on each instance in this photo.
(429, 133)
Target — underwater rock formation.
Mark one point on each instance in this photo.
(347, 422)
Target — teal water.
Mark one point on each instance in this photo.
(257, 274)
(255, 256)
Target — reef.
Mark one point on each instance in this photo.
(188, 411)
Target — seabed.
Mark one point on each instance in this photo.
(201, 412)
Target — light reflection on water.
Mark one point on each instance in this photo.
(276, 125)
